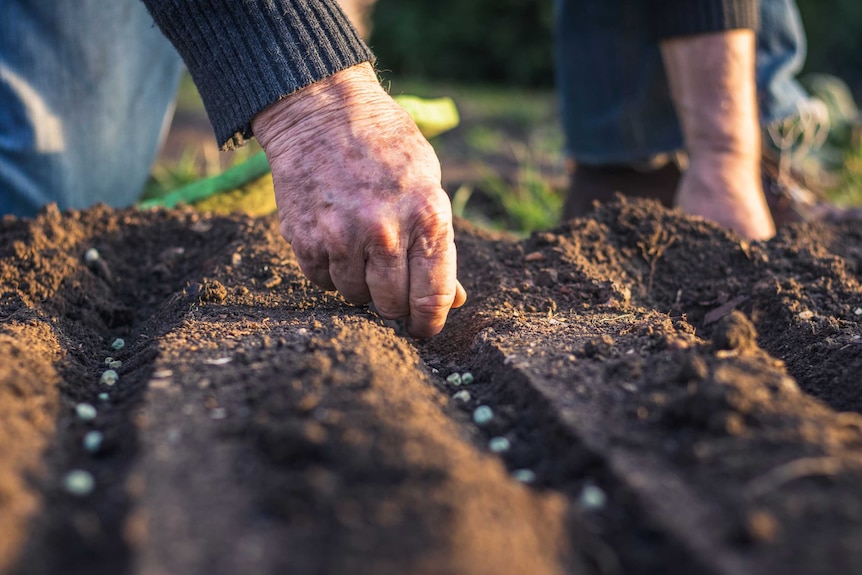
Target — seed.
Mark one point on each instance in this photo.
(91, 255)
(499, 444)
(104, 396)
(482, 415)
(110, 377)
(462, 395)
(454, 379)
(118, 344)
(108, 360)
(93, 441)
(79, 482)
(592, 498)
(858, 311)
(85, 412)
(524, 476)
(115, 364)
(467, 378)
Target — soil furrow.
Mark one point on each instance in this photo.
(342, 462)
(642, 366)
(668, 412)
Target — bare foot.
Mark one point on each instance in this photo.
(728, 193)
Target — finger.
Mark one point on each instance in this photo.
(348, 275)
(460, 295)
(387, 276)
(316, 269)
(432, 286)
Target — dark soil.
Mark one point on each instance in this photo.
(687, 403)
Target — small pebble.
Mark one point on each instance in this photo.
(110, 377)
(524, 476)
(807, 314)
(104, 397)
(115, 364)
(93, 441)
(108, 360)
(79, 482)
(592, 498)
(499, 445)
(483, 415)
(91, 255)
(454, 378)
(462, 395)
(85, 412)
(118, 344)
(858, 311)
(467, 378)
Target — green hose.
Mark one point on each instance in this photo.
(232, 178)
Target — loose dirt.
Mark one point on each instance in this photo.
(674, 401)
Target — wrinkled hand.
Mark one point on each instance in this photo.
(359, 198)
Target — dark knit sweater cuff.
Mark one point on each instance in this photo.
(247, 54)
(672, 18)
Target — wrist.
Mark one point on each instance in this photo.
(338, 99)
(713, 86)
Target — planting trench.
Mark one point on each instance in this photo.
(674, 401)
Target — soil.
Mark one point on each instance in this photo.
(675, 400)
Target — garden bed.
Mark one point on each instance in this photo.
(672, 400)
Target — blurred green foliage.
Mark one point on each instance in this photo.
(834, 31)
(474, 41)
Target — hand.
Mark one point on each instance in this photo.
(359, 198)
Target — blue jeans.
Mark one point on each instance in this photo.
(86, 89)
(614, 100)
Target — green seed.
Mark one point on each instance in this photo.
(482, 415)
(118, 344)
(499, 444)
(115, 364)
(462, 395)
(454, 379)
(467, 378)
(108, 360)
(79, 482)
(104, 397)
(592, 498)
(110, 377)
(93, 441)
(85, 412)
(524, 476)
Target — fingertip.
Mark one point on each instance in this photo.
(460, 295)
(422, 330)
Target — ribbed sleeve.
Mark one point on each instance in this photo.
(246, 54)
(671, 18)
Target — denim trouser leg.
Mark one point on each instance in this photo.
(85, 90)
(614, 99)
(781, 49)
